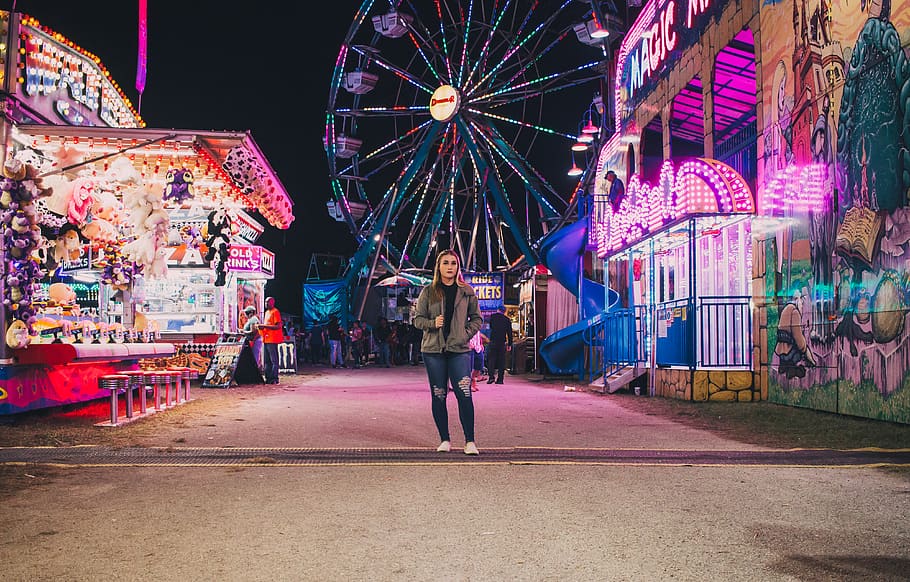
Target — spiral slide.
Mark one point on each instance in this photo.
(562, 250)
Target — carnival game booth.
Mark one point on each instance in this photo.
(162, 252)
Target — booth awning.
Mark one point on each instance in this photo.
(228, 167)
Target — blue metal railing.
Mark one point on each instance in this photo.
(716, 332)
(724, 333)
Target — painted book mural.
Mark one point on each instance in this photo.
(835, 175)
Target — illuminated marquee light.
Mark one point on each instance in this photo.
(700, 186)
(798, 188)
(52, 62)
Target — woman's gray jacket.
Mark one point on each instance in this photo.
(466, 320)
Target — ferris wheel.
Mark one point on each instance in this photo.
(449, 124)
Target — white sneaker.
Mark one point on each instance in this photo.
(444, 447)
(471, 449)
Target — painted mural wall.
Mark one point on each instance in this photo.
(835, 194)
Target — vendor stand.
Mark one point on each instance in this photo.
(112, 231)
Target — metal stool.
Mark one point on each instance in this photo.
(137, 383)
(193, 375)
(156, 378)
(186, 375)
(115, 383)
(177, 377)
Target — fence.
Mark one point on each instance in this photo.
(621, 338)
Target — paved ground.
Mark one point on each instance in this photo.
(332, 476)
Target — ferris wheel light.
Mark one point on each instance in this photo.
(574, 170)
(586, 138)
(590, 129)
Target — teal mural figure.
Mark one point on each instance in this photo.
(873, 131)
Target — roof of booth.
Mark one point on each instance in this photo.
(247, 181)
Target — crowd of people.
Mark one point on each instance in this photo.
(385, 344)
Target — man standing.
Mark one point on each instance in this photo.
(500, 344)
(272, 335)
(616, 191)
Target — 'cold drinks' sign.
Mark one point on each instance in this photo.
(252, 259)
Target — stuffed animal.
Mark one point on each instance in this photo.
(217, 232)
(80, 203)
(151, 225)
(61, 294)
(102, 226)
(69, 245)
(179, 185)
(20, 235)
(17, 335)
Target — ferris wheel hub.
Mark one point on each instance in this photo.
(444, 103)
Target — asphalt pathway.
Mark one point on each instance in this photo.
(334, 476)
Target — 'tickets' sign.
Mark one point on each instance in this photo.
(251, 259)
(489, 288)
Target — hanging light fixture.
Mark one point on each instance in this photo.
(579, 146)
(590, 128)
(574, 170)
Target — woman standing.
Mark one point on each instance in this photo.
(251, 331)
(448, 314)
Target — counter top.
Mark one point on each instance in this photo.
(63, 353)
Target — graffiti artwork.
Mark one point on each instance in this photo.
(836, 164)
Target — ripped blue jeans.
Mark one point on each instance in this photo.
(455, 369)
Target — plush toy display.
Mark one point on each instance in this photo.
(217, 233)
(151, 223)
(21, 235)
(116, 270)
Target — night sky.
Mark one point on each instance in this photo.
(262, 67)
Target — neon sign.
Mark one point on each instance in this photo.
(251, 259)
(700, 186)
(664, 26)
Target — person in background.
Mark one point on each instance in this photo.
(448, 314)
(336, 334)
(414, 338)
(500, 345)
(381, 333)
(250, 330)
(356, 335)
(317, 341)
(478, 344)
(616, 191)
(272, 335)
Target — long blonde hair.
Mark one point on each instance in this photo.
(436, 285)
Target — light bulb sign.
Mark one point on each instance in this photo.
(61, 81)
(663, 30)
(251, 260)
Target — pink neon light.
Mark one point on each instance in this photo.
(797, 188)
(700, 186)
(141, 67)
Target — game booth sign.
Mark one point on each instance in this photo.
(122, 244)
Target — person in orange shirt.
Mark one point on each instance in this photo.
(272, 335)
